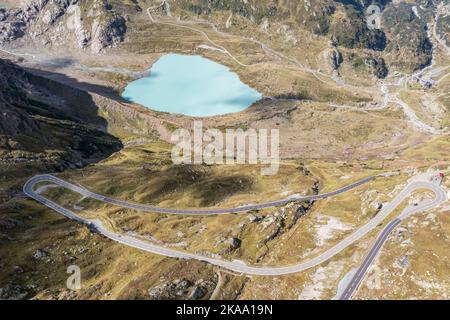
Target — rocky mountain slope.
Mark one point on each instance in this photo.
(92, 24)
(402, 42)
(402, 39)
(38, 126)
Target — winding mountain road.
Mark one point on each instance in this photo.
(356, 280)
(28, 189)
(237, 266)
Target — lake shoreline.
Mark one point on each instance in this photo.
(191, 85)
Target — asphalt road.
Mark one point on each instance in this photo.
(237, 266)
(148, 208)
(357, 279)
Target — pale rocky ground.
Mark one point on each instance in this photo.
(412, 261)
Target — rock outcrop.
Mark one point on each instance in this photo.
(15, 292)
(92, 24)
(107, 32)
(377, 66)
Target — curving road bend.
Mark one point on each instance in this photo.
(356, 280)
(237, 266)
(28, 189)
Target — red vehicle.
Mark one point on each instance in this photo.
(442, 175)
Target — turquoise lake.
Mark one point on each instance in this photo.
(191, 85)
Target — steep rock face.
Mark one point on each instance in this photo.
(409, 45)
(13, 120)
(442, 27)
(332, 59)
(349, 29)
(13, 24)
(56, 22)
(37, 125)
(336, 59)
(107, 32)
